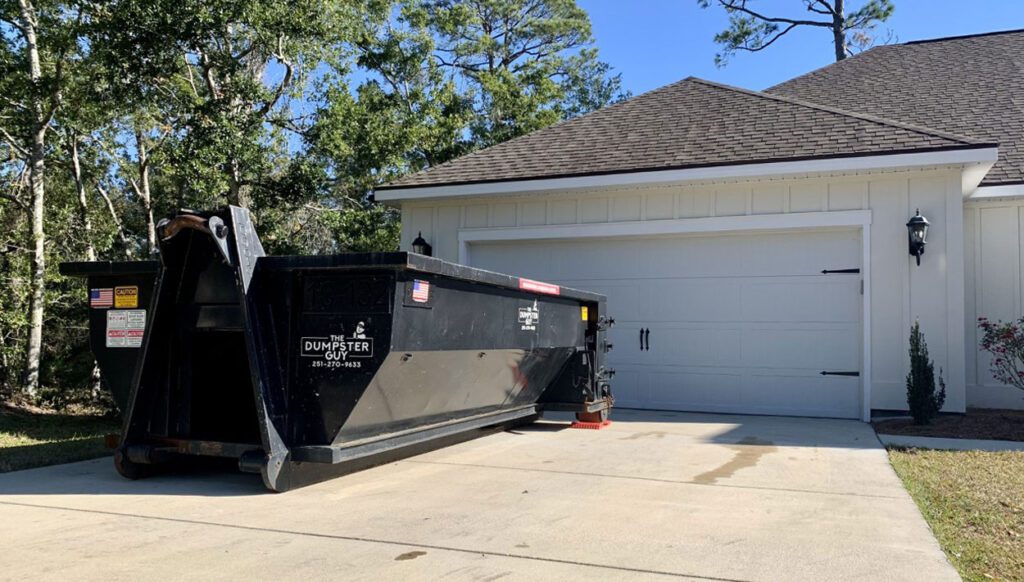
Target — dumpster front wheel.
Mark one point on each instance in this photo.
(597, 416)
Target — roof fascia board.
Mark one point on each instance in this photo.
(1007, 191)
(982, 156)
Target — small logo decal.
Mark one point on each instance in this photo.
(126, 297)
(420, 291)
(529, 317)
(539, 287)
(101, 297)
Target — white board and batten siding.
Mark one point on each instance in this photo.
(994, 234)
(741, 318)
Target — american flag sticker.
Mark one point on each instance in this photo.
(420, 291)
(101, 297)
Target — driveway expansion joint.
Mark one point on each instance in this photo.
(653, 479)
(367, 540)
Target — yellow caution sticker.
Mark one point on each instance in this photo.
(584, 313)
(126, 297)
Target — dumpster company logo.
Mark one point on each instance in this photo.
(529, 317)
(338, 351)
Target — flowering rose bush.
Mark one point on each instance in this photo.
(1005, 341)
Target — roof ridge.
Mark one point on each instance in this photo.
(891, 46)
(837, 111)
(962, 36)
(560, 122)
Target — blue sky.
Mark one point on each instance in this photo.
(655, 42)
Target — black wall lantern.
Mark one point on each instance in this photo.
(917, 232)
(421, 246)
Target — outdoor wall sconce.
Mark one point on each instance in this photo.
(421, 246)
(917, 233)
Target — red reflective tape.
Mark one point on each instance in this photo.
(539, 287)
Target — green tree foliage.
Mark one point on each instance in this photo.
(752, 29)
(296, 110)
(922, 398)
(528, 63)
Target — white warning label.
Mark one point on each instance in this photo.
(125, 328)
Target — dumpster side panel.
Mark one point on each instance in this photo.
(461, 348)
(340, 335)
(460, 314)
(117, 327)
(421, 388)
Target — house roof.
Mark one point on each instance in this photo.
(689, 124)
(971, 85)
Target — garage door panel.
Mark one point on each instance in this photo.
(627, 386)
(694, 345)
(712, 299)
(822, 298)
(801, 394)
(738, 323)
(697, 256)
(786, 255)
(692, 389)
(715, 299)
(625, 337)
(780, 392)
(831, 348)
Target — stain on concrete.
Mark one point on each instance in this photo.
(654, 434)
(410, 556)
(746, 453)
(523, 545)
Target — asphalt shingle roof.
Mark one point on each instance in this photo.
(691, 123)
(970, 85)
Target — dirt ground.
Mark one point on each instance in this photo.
(978, 423)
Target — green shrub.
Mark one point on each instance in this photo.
(922, 399)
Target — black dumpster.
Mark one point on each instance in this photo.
(308, 367)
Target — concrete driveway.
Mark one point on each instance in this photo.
(656, 495)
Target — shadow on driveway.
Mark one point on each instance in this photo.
(737, 429)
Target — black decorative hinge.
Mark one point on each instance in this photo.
(835, 271)
(827, 373)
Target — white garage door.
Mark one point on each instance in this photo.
(737, 323)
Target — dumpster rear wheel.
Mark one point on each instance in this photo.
(598, 416)
(129, 469)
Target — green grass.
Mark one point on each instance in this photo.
(35, 439)
(974, 502)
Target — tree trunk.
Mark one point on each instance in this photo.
(83, 197)
(236, 192)
(144, 192)
(90, 251)
(37, 171)
(839, 29)
(117, 222)
(37, 282)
